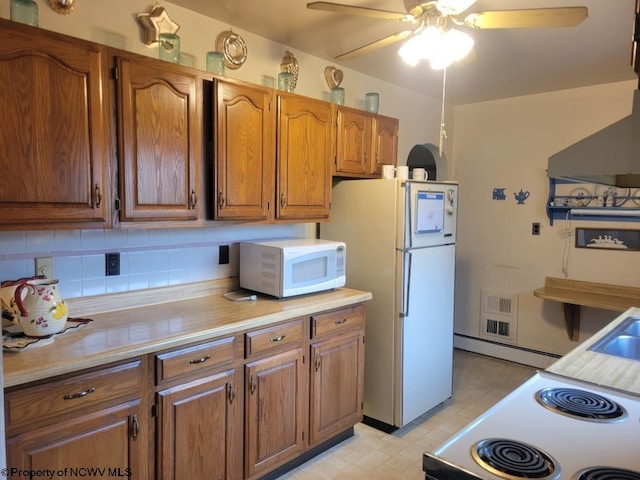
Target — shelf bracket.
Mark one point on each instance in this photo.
(572, 320)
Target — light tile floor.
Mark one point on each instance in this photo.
(478, 382)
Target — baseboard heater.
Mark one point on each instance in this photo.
(512, 353)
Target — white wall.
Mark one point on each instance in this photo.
(153, 258)
(506, 144)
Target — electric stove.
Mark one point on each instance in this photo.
(549, 428)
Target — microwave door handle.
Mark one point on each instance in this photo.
(406, 283)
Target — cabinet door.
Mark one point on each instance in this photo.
(337, 371)
(52, 142)
(353, 141)
(159, 142)
(305, 148)
(385, 143)
(275, 416)
(107, 443)
(200, 429)
(245, 158)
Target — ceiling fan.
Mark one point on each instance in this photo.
(433, 20)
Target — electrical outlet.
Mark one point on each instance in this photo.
(223, 255)
(44, 266)
(112, 261)
(535, 228)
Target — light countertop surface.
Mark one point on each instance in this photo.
(599, 368)
(130, 332)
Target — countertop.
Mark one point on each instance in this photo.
(598, 368)
(139, 330)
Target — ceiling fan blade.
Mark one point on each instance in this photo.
(368, 12)
(383, 42)
(529, 18)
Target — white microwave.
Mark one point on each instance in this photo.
(284, 268)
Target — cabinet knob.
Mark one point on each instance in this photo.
(194, 199)
(283, 201)
(220, 199)
(317, 362)
(252, 384)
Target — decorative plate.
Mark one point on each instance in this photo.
(233, 48)
(579, 197)
(635, 197)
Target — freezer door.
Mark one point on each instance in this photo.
(430, 214)
(425, 332)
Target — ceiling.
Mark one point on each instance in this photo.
(505, 63)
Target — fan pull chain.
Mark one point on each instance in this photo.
(443, 133)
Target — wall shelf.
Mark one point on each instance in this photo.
(579, 205)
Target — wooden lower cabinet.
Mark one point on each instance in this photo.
(227, 408)
(276, 411)
(94, 423)
(107, 443)
(200, 429)
(337, 369)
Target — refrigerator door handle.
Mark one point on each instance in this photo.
(406, 284)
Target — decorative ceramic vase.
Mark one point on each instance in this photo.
(24, 11)
(337, 95)
(169, 47)
(372, 102)
(215, 63)
(42, 309)
(286, 82)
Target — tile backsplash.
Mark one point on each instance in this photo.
(149, 258)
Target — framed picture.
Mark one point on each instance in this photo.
(608, 239)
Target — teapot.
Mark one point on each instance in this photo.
(521, 196)
(42, 310)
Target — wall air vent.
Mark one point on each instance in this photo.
(499, 316)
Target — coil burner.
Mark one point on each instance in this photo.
(607, 473)
(512, 459)
(580, 404)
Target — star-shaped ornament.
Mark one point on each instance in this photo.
(155, 22)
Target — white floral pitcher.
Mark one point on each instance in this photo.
(42, 310)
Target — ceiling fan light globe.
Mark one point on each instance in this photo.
(410, 51)
(458, 43)
(442, 59)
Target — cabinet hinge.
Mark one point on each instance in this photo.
(115, 73)
(116, 204)
(303, 436)
(154, 410)
(303, 361)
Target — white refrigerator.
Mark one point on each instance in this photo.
(401, 246)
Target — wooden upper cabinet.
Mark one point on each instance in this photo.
(52, 141)
(385, 143)
(159, 140)
(245, 158)
(354, 146)
(305, 137)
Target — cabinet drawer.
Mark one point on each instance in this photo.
(274, 337)
(45, 401)
(336, 320)
(195, 358)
